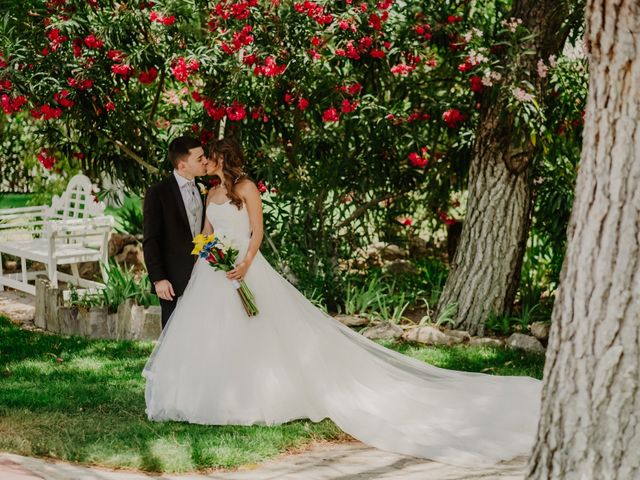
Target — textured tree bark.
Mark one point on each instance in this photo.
(589, 425)
(485, 272)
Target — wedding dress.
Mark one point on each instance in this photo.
(215, 365)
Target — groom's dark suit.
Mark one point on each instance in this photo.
(167, 241)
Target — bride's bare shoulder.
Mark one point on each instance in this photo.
(246, 185)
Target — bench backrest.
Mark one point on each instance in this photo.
(76, 202)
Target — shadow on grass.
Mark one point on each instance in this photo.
(83, 400)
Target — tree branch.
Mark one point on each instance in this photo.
(362, 209)
(154, 105)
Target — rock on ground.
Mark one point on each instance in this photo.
(383, 331)
(525, 342)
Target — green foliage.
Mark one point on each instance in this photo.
(384, 296)
(128, 217)
(122, 284)
(331, 186)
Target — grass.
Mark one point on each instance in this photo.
(82, 400)
(14, 200)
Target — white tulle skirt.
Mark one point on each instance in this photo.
(214, 365)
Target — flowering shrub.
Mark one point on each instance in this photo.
(351, 113)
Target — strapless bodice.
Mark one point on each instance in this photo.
(230, 224)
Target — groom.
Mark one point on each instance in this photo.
(173, 215)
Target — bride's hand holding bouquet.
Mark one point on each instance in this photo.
(223, 257)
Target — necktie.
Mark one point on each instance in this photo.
(192, 195)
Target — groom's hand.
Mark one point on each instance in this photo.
(164, 290)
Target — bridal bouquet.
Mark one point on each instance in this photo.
(223, 258)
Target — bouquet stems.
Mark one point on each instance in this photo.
(247, 298)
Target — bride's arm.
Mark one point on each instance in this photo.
(251, 197)
(208, 228)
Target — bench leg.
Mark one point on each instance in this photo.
(23, 266)
(1, 274)
(52, 273)
(76, 273)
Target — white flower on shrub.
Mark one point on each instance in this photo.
(521, 95)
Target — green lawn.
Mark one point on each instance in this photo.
(83, 401)
(13, 200)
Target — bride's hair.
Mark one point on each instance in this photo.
(232, 166)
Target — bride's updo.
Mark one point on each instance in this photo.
(233, 165)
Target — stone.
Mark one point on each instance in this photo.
(352, 320)
(17, 306)
(385, 251)
(400, 267)
(486, 342)
(10, 266)
(525, 342)
(118, 241)
(131, 255)
(392, 252)
(383, 331)
(429, 335)
(152, 326)
(464, 335)
(418, 247)
(540, 330)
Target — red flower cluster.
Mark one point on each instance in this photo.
(315, 11)
(413, 117)
(91, 42)
(46, 112)
(124, 70)
(476, 84)
(354, 52)
(270, 68)
(259, 113)
(376, 21)
(453, 117)
(446, 218)
(424, 31)
(214, 110)
(240, 39)
(352, 89)
(236, 111)
(261, 186)
(46, 159)
(160, 18)
(63, 100)
(80, 84)
(239, 10)
(181, 69)
(330, 115)
(56, 39)
(115, 56)
(348, 107)
(12, 105)
(149, 76)
(289, 99)
(419, 160)
(454, 18)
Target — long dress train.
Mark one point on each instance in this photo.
(215, 365)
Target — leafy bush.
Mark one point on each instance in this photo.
(122, 284)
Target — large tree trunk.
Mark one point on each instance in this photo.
(485, 272)
(590, 418)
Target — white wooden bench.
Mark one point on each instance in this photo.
(72, 230)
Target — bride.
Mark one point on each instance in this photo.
(215, 365)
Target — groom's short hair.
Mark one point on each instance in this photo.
(179, 148)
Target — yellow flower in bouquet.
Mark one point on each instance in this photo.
(200, 241)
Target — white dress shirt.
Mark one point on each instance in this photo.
(192, 202)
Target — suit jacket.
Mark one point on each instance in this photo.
(167, 240)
